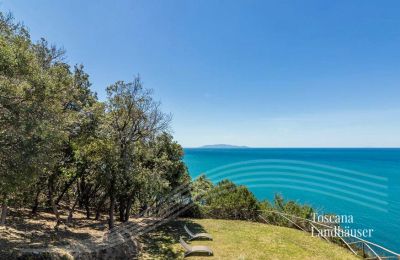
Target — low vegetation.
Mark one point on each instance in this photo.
(226, 200)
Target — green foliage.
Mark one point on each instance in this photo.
(30, 108)
(228, 201)
(291, 210)
(200, 187)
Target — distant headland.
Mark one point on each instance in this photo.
(223, 146)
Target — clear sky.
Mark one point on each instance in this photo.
(257, 73)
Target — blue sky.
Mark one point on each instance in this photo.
(257, 73)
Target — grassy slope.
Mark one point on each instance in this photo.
(240, 240)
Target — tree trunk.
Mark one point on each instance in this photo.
(97, 217)
(86, 200)
(87, 211)
(71, 211)
(36, 203)
(66, 188)
(121, 209)
(52, 202)
(111, 212)
(48, 201)
(128, 209)
(56, 213)
(3, 214)
(112, 204)
(82, 190)
(99, 206)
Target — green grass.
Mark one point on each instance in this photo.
(240, 240)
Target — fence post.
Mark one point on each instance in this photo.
(363, 249)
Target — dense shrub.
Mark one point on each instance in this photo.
(286, 213)
(225, 200)
(230, 201)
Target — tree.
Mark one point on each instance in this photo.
(22, 107)
(40, 103)
(133, 116)
(162, 170)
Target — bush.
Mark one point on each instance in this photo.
(227, 200)
(290, 209)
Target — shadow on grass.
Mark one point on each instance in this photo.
(159, 243)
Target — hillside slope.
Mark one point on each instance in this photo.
(240, 240)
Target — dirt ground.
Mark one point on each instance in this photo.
(24, 231)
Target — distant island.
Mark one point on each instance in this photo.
(222, 146)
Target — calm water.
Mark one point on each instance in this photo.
(364, 183)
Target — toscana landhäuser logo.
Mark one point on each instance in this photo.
(338, 226)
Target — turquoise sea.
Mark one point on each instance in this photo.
(364, 183)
